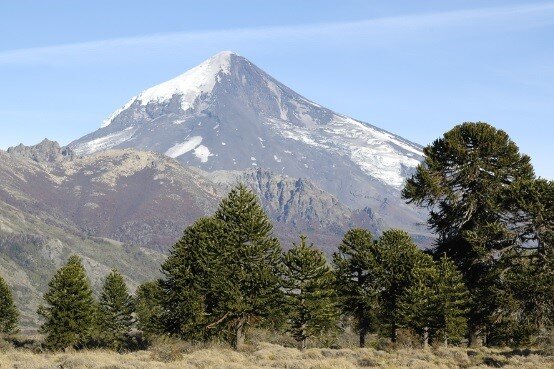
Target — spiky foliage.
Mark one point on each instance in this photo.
(531, 213)
(189, 273)
(148, 307)
(223, 274)
(247, 285)
(309, 288)
(463, 181)
(358, 277)
(70, 307)
(405, 269)
(451, 302)
(116, 308)
(9, 315)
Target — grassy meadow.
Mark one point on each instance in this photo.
(267, 355)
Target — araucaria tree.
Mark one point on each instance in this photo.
(310, 295)
(223, 275)
(463, 181)
(9, 315)
(70, 307)
(358, 277)
(148, 308)
(247, 287)
(116, 309)
(451, 302)
(190, 270)
(405, 294)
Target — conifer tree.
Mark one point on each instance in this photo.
(190, 272)
(247, 285)
(415, 306)
(9, 315)
(404, 269)
(451, 302)
(358, 277)
(148, 307)
(70, 307)
(116, 308)
(308, 284)
(531, 212)
(463, 181)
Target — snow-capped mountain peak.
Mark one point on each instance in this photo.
(228, 114)
(189, 85)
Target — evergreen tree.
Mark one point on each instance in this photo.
(148, 306)
(70, 307)
(116, 308)
(9, 315)
(308, 284)
(462, 181)
(415, 305)
(358, 277)
(223, 274)
(531, 212)
(451, 302)
(187, 292)
(247, 285)
(404, 271)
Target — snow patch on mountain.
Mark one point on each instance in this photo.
(202, 153)
(377, 153)
(183, 147)
(106, 142)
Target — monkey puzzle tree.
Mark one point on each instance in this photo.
(462, 181)
(308, 282)
(358, 276)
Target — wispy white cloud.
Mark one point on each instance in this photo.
(528, 15)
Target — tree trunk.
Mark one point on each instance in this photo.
(304, 343)
(426, 337)
(239, 334)
(393, 333)
(445, 338)
(362, 337)
(474, 338)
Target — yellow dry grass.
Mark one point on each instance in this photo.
(267, 355)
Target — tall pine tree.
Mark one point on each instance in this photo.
(187, 292)
(70, 307)
(116, 308)
(358, 277)
(462, 181)
(246, 287)
(451, 302)
(223, 275)
(308, 284)
(148, 307)
(9, 315)
(404, 270)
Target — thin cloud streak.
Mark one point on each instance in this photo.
(532, 15)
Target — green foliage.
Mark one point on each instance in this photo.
(116, 308)
(358, 277)
(469, 182)
(450, 302)
(247, 288)
(223, 274)
(70, 308)
(148, 307)
(308, 282)
(189, 274)
(9, 315)
(405, 275)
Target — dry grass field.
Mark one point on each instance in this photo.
(267, 355)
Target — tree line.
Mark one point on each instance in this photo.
(489, 278)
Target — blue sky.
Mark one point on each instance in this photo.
(415, 68)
